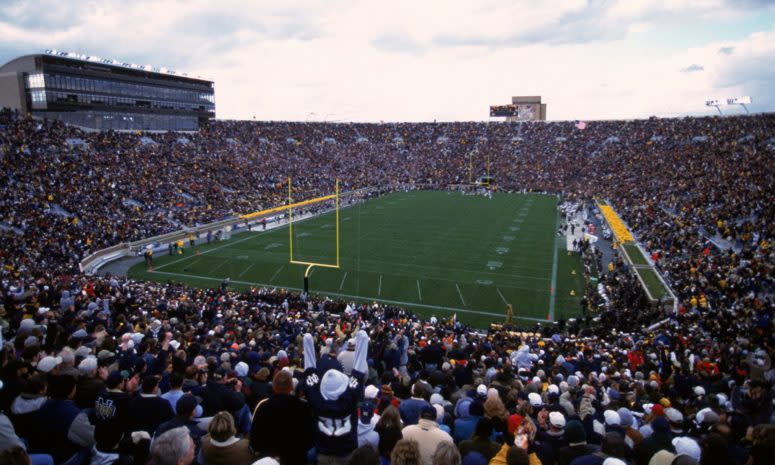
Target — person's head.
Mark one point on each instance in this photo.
(762, 444)
(176, 380)
(34, 385)
(222, 427)
(405, 452)
(150, 383)
(88, 366)
(282, 382)
(483, 428)
(446, 454)
(364, 455)
(174, 447)
(714, 450)
(575, 433)
(390, 418)
(61, 387)
(428, 413)
(517, 456)
(186, 406)
(614, 445)
(420, 390)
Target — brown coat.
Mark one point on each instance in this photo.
(232, 452)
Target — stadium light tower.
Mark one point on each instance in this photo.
(714, 103)
(742, 101)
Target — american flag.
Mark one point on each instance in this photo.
(581, 125)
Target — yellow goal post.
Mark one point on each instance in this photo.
(289, 206)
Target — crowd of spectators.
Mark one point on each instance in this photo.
(106, 370)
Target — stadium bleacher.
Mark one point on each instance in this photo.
(105, 358)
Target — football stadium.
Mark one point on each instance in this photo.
(204, 270)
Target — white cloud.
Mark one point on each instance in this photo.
(409, 60)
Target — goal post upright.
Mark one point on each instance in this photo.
(290, 222)
(289, 207)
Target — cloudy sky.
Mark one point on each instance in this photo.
(422, 60)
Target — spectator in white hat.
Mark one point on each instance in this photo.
(49, 365)
(687, 446)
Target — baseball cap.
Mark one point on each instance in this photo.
(557, 420)
(115, 378)
(687, 446)
(46, 364)
(371, 392)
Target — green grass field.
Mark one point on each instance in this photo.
(437, 253)
(652, 281)
(635, 254)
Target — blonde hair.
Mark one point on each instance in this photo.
(406, 452)
(222, 427)
(493, 407)
(446, 454)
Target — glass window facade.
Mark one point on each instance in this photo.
(117, 103)
(116, 120)
(36, 81)
(202, 98)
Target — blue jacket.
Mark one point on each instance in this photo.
(464, 428)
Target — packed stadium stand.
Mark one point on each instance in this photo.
(104, 369)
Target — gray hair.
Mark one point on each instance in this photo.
(446, 454)
(88, 365)
(170, 447)
(68, 355)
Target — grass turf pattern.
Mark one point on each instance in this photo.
(437, 253)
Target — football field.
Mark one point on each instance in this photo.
(436, 253)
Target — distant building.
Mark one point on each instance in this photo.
(523, 108)
(100, 93)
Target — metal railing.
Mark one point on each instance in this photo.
(224, 228)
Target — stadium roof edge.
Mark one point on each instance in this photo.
(107, 62)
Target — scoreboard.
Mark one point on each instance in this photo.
(503, 110)
(521, 109)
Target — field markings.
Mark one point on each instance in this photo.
(460, 294)
(229, 243)
(379, 287)
(342, 283)
(225, 261)
(553, 289)
(501, 294)
(349, 296)
(193, 263)
(419, 294)
(276, 273)
(246, 269)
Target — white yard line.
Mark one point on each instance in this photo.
(225, 261)
(500, 294)
(342, 283)
(276, 273)
(379, 288)
(419, 294)
(460, 294)
(247, 269)
(228, 243)
(349, 296)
